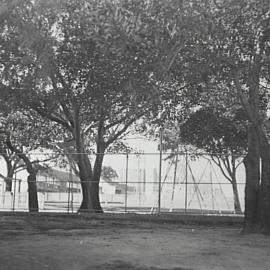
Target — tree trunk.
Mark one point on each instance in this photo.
(32, 184)
(32, 191)
(85, 176)
(31, 179)
(265, 190)
(252, 165)
(96, 178)
(232, 172)
(9, 178)
(84, 165)
(256, 193)
(10, 173)
(237, 204)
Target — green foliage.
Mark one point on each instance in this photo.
(104, 64)
(108, 173)
(214, 133)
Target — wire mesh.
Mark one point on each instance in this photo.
(142, 183)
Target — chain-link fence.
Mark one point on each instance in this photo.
(141, 183)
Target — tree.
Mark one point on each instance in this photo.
(91, 67)
(109, 173)
(21, 135)
(234, 51)
(88, 91)
(223, 138)
(249, 72)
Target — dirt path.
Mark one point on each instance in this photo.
(73, 244)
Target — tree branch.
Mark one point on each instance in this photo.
(119, 133)
(63, 105)
(116, 122)
(54, 118)
(18, 152)
(218, 163)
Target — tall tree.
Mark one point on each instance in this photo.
(235, 51)
(91, 67)
(249, 66)
(85, 88)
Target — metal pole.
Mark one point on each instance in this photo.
(71, 193)
(160, 169)
(186, 182)
(126, 189)
(14, 193)
(69, 188)
(212, 190)
(174, 174)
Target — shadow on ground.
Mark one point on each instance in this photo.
(121, 265)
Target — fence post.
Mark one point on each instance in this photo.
(71, 193)
(126, 187)
(175, 174)
(212, 190)
(160, 168)
(186, 181)
(68, 188)
(14, 193)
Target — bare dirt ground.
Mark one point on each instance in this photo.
(74, 242)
